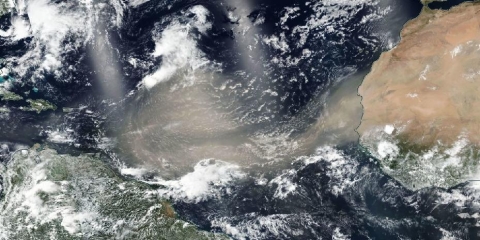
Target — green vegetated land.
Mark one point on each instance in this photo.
(52, 196)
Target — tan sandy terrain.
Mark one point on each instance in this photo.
(428, 87)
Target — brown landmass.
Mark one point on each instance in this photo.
(428, 87)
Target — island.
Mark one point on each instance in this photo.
(39, 105)
(421, 100)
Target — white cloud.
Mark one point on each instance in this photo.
(389, 129)
(59, 136)
(208, 180)
(50, 24)
(285, 184)
(178, 48)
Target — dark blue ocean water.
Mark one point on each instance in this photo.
(333, 56)
(374, 207)
(445, 5)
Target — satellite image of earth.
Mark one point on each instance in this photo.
(239, 119)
